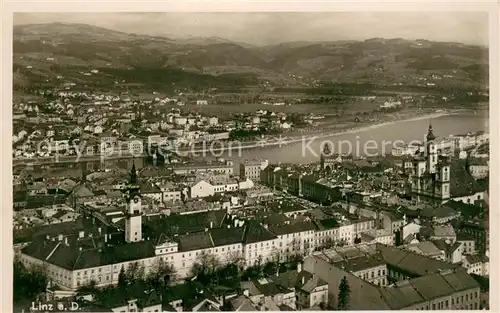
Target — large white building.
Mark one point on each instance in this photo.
(469, 140)
(252, 169)
(218, 168)
(98, 254)
(211, 186)
(407, 149)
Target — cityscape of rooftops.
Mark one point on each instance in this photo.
(156, 170)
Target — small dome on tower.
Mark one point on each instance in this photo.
(326, 150)
(430, 134)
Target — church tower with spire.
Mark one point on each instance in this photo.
(324, 154)
(431, 150)
(442, 186)
(431, 174)
(133, 210)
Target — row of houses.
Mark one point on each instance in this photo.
(228, 238)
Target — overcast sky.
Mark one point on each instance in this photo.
(270, 28)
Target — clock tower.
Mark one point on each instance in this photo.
(133, 210)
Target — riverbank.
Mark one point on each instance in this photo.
(374, 126)
(404, 130)
(283, 140)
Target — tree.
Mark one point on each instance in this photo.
(342, 243)
(275, 256)
(251, 272)
(327, 244)
(160, 274)
(236, 258)
(295, 260)
(122, 278)
(344, 294)
(135, 272)
(270, 268)
(205, 268)
(296, 252)
(28, 283)
(228, 273)
(90, 287)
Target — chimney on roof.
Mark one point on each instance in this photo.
(299, 267)
(303, 280)
(48, 237)
(60, 237)
(79, 248)
(211, 224)
(81, 234)
(66, 241)
(99, 230)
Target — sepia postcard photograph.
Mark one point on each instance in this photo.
(250, 161)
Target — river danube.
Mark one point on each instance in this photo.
(373, 139)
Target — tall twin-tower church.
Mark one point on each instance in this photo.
(430, 176)
(431, 172)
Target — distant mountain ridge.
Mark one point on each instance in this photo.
(82, 46)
